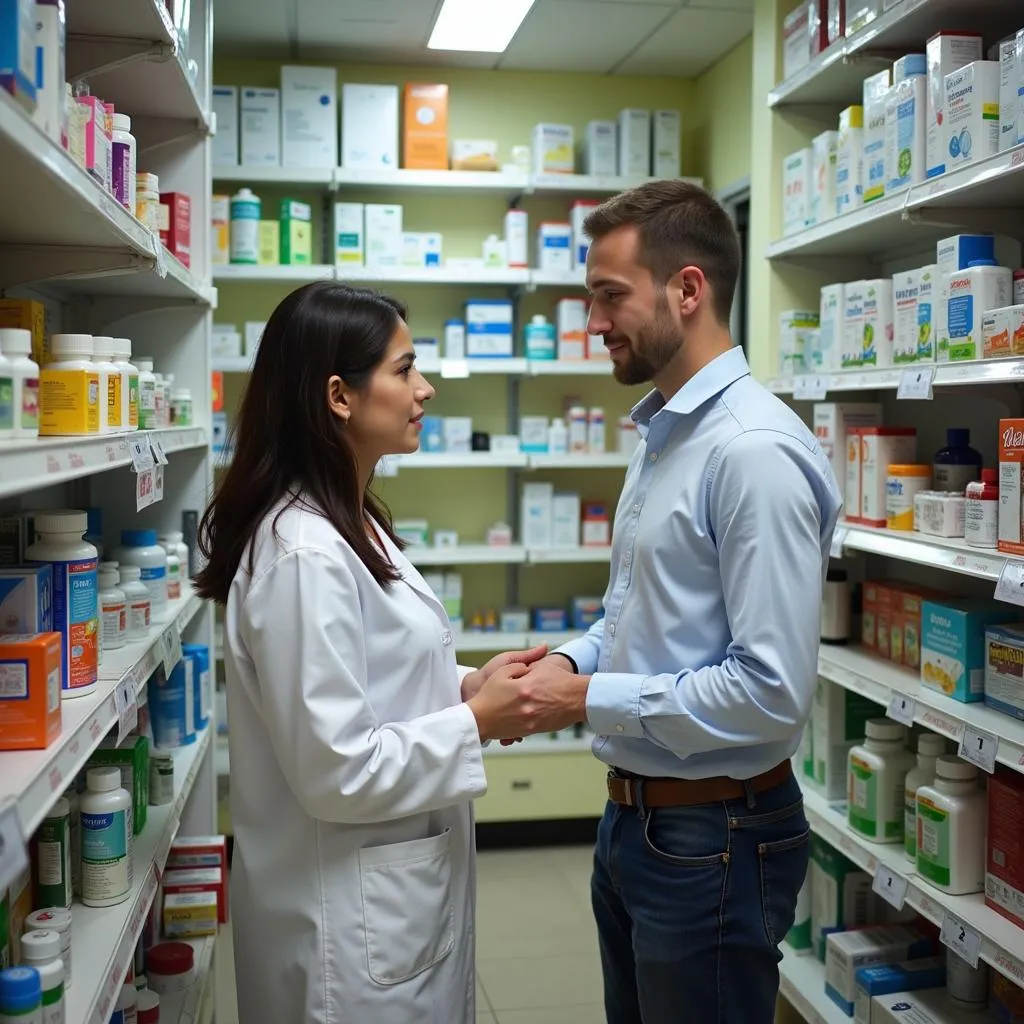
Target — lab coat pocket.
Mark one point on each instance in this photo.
(408, 918)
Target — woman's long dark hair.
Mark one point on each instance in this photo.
(288, 443)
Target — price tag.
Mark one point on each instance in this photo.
(838, 540)
(13, 853)
(1010, 586)
(961, 938)
(901, 709)
(171, 649)
(161, 255)
(916, 382)
(157, 448)
(810, 388)
(158, 483)
(145, 489)
(892, 887)
(979, 748)
(454, 369)
(127, 706)
(141, 453)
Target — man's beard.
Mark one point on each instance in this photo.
(656, 345)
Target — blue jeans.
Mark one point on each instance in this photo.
(691, 905)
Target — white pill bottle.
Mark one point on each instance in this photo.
(106, 813)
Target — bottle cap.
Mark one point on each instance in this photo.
(122, 123)
(56, 919)
(40, 945)
(15, 342)
(71, 345)
(144, 363)
(103, 347)
(989, 476)
(884, 729)
(103, 779)
(21, 989)
(170, 958)
(950, 767)
(981, 263)
(931, 744)
(138, 538)
(63, 521)
(958, 436)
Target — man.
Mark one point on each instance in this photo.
(699, 678)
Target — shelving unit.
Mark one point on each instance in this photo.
(802, 982)
(459, 369)
(68, 244)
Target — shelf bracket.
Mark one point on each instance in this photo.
(99, 312)
(23, 264)
(156, 132)
(94, 55)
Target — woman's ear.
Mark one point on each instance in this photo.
(338, 398)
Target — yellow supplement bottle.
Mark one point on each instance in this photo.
(69, 388)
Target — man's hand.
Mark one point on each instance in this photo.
(557, 661)
(474, 680)
(520, 701)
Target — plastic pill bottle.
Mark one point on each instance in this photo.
(148, 1007)
(930, 745)
(174, 541)
(577, 429)
(106, 839)
(139, 606)
(173, 576)
(172, 707)
(981, 510)
(147, 200)
(69, 388)
(113, 608)
(181, 407)
(159, 401)
(903, 483)
(956, 465)
(147, 393)
(21, 996)
(201, 681)
(16, 345)
(53, 919)
(125, 1009)
(129, 383)
(876, 770)
(139, 548)
(53, 857)
(161, 779)
(6, 398)
(245, 227)
(596, 431)
(170, 967)
(110, 385)
(75, 605)
(951, 828)
(122, 162)
(966, 985)
(558, 438)
(42, 950)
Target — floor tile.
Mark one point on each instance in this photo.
(592, 1013)
(540, 981)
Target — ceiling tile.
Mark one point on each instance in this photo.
(581, 35)
(689, 42)
(241, 22)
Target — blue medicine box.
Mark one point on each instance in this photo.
(18, 51)
(885, 979)
(26, 599)
(550, 620)
(585, 612)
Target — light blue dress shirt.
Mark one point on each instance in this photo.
(706, 659)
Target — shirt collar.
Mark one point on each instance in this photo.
(709, 381)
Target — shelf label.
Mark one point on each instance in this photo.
(1010, 586)
(891, 886)
(141, 453)
(157, 448)
(454, 369)
(145, 489)
(901, 709)
(127, 706)
(916, 382)
(158, 483)
(979, 748)
(170, 649)
(160, 254)
(961, 938)
(838, 540)
(13, 852)
(810, 388)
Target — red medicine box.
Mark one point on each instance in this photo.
(1004, 854)
(176, 225)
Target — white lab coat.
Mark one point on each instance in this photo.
(353, 764)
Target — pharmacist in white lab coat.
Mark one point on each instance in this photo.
(354, 759)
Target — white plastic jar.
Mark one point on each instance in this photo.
(129, 383)
(126, 1006)
(42, 950)
(16, 345)
(6, 398)
(110, 384)
(139, 604)
(122, 162)
(966, 986)
(170, 967)
(174, 540)
(930, 745)
(577, 429)
(106, 838)
(54, 919)
(74, 563)
(161, 778)
(596, 431)
(165, 412)
(181, 407)
(147, 393)
(876, 770)
(113, 608)
(160, 416)
(173, 576)
(139, 548)
(70, 387)
(147, 199)
(951, 828)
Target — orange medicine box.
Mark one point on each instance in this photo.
(1004, 853)
(425, 126)
(869, 614)
(29, 690)
(1010, 536)
(191, 880)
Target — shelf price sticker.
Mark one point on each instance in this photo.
(960, 937)
(979, 747)
(901, 709)
(810, 387)
(141, 453)
(158, 483)
(127, 706)
(916, 382)
(170, 649)
(1010, 586)
(838, 541)
(145, 488)
(891, 886)
(157, 448)
(13, 852)
(160, 254)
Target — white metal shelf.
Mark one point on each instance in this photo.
(575, 278)
(463, 460)
(589, 184)
(468, 554)
(454, 369)
(505, 277)
(565, 556)
(35, 779)
(835, 77)
(496, 640)
(104, 939)
(239, 364)
(183, 1007)
(314, 177)
(28, 465)
(874, 677)
(597, 367)
(510, 182)
(607, 460)
(1001, 944)
(802, 982)
(272, 272)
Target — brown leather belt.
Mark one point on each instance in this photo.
(688, 792)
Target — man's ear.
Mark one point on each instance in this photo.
(339, 398)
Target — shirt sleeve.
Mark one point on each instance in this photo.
(765, 515)
(585, 650)
(302, 627)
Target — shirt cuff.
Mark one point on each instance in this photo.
(613, 704)
(583, 653)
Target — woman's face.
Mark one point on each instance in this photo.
(385, 418)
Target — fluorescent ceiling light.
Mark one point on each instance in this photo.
(483, 26)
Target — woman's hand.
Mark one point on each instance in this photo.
(474, 680)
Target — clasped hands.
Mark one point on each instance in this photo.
(519, 693)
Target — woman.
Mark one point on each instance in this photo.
(354, 761)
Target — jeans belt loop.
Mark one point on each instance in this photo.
(635, 790)
(748, 787)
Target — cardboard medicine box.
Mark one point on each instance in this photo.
(840, 893)
(1011, 492)
(176, 225)
(883, 979)
(190, 915)
(132, 758)
(26, 599)
(177, 881)
(1004, 669)
(30, 715)
(296, 233)
(832, 421)
(369, 127)
(838, 718)
(425, 138)
(880, 447)
(1004, 852)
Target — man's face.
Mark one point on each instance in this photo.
(631, 312)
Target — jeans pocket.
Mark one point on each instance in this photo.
(688, 836)
(783, 867)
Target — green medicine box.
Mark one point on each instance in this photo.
(296, 233)
(133, 760)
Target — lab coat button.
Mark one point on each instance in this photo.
(611, 628)
(446, 637)
(654, 456)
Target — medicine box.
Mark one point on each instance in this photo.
(905, 121)
(875, 97)
(796, 191)
(421, 249)
(190, 915)
(225, 342)
(458, 434)
(925, 1006)
(28, 315)
(634, 143)
(261, 127)
(533, 434)
(666, 159)
(268, 251)
(565, 520)
(995, 334)
(824, 151)
(383, 238)
(832, 421)
(796, 41)
(451, 597)
(927, 301)
(850, 160)
(253, 333)
(550, 620)
(132, 758)
(206, 879)
(795, 327)
(176, 225)
(348, 233)
(425, 135)
(584, 612)
(877, 324)
(853, 325)
(49, 25)
(26, 599)
(970, 293)
(884, 979)
(840, 893)
(1004, 669)
(971, 126)
(224, 149)
(953, 645)
(940, 514)
(18, 51)
(951, 255)
(537, 514)
(309, 116)
(1004, 842)
(596, 527)
(578, 213)
(946, 52)
(553, 149)
(601, 148)
(474, 154)
(369, 127)
(880, 447)
(838, 718)
(905, 288)
(830, 328)
(1009, 89)
(554, 246)
(571, 328)
(30, 668)
(489, 328)
(1011, 493)
(850, 951)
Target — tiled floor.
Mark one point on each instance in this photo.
(537, 957)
